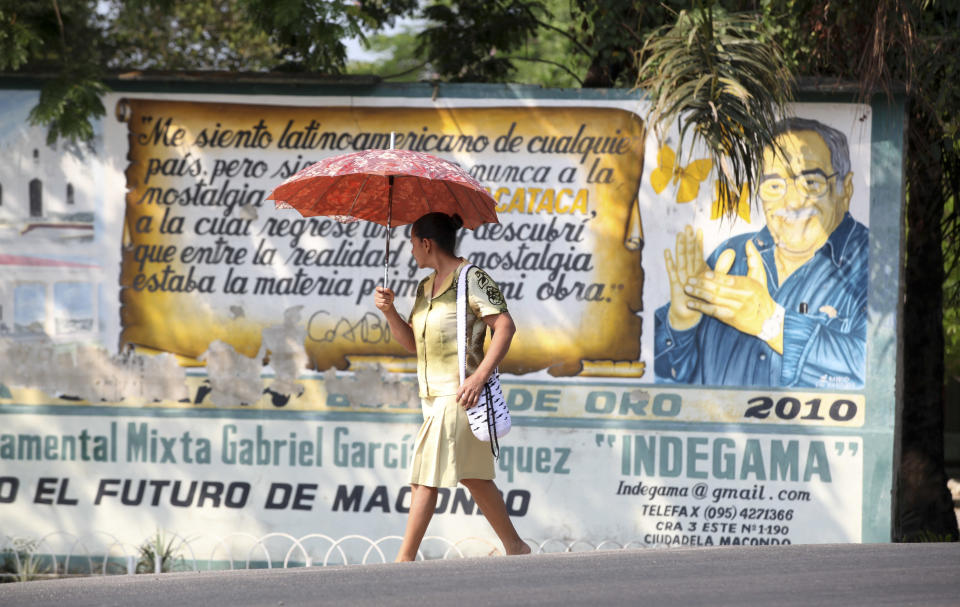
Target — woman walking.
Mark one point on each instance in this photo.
(445, 450)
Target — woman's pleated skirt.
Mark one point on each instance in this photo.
(445, 450)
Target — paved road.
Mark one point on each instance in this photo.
(876, 574)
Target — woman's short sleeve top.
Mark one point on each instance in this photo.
(434, 323)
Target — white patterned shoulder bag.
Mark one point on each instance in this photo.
(489, 418)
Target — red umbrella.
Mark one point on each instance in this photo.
(389, 187)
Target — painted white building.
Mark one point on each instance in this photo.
(46, 192)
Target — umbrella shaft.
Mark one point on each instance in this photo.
(386, 255)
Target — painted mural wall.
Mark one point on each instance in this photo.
(177, 354)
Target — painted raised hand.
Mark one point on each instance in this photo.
(689, 263)
(742, 302)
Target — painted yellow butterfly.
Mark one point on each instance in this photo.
(743, 203)
(689, 177)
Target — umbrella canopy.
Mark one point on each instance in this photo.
(389, 187)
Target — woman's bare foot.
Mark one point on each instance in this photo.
(517, 548)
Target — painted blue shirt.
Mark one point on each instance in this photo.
(824, 329)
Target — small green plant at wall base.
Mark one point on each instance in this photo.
(21, 563)
(928, 536)
(163, 548)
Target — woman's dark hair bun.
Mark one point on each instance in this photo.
(440, 227)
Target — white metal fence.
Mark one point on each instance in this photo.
(61, 554)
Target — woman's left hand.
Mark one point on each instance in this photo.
(469, 393)
(503, 329)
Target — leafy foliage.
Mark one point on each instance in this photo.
(62, 38)
(310, 32)
(400, 62)
(75, 42)
(480, 32)
(67, 105)
(610, 30)
(723, 80)
(17, 40)
(951, 255)
(210, 35)
(587, 43)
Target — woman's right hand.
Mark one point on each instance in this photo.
(399, 328)
(383, 299)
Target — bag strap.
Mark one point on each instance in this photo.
(492, 424)
(462, 304)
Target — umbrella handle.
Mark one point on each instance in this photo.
(386, 258)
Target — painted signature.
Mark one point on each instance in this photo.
(370, 329)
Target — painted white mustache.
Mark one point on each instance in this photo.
(796, 214)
